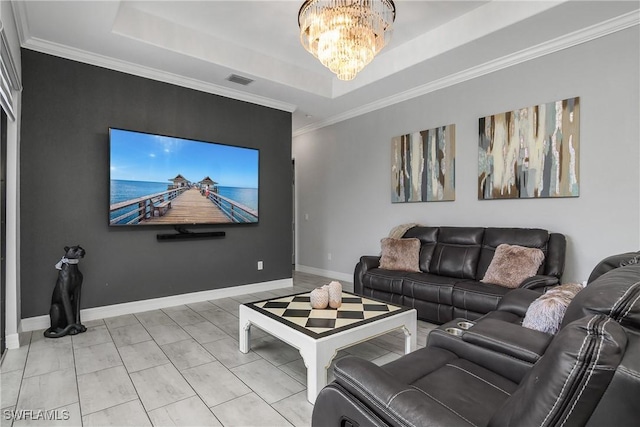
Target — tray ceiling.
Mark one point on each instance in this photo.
(199, 44)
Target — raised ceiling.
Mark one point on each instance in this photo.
(199, 44)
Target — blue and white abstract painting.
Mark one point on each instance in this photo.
(531, 152)
(423, 166)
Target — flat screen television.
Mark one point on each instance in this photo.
(157, 179)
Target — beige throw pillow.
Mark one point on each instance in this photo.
(400, 254)
(511, 264)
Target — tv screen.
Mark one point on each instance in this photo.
(158, 179)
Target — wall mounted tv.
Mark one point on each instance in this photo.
(156, 180)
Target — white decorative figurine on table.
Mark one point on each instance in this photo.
(327, 296)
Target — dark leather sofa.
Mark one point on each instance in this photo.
(453, 260)
(498, 373)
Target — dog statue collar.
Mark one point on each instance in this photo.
(66, 260)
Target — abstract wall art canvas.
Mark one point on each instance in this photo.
(533, 152)
(423, 166)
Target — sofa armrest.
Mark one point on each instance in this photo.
(510, 339)
(366, 263)
(502, 347)
(397, 403)
(539, 282)
(517, 301)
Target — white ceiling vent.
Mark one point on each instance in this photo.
(234, 78)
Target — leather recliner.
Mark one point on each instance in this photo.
(500, 374)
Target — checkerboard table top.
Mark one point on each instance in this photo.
(296, 311)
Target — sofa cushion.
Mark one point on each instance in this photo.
(384, 280)
(494, 237)
(482, 389)
(428, 237)
(400, 254)
(431, 295)
(457, 252)
(477, 296)
(425, 388)
(415, 365)
(430, 287)
(512, 264)
(546, 312)
(396, 299)
(430, 311)
(396, 402)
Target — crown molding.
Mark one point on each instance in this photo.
(464, 29)
(566, 41)
(563, 42)
(152, 30)
(79, 55)
(8, 64)
(20, 17)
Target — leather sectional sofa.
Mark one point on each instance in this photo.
(497, 373)
(453, 260)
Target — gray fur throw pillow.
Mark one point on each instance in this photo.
(511, 264)
(400, 254)
(545, 313)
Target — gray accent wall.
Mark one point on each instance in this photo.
(67, 110)
(343, 171)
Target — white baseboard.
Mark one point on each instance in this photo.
(95, 313)
(12, 341)
(326, 273)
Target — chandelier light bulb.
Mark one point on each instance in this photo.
(345, 35)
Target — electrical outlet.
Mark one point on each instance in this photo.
(329, 256)
(260, 265)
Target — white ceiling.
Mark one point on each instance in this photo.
(198, 44)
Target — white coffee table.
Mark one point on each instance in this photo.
(319, 334)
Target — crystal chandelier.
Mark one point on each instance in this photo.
(345, 35)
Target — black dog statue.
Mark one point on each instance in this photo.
(65, 301)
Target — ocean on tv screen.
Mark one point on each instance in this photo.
(157, 179)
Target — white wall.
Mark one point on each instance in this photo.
(343, 171)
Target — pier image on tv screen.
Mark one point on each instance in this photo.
(157, 179)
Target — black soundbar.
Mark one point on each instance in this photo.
(191, 235)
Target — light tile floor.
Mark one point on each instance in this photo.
(179, 366)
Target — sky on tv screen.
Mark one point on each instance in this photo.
(139, 156)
